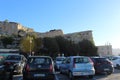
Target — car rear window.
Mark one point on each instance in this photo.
(60, 59)
(81, 60)
(100, 59)
(13, 57)
(39, 60)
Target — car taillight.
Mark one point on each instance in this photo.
(27, 68)
(7, 63)
(97, 64)
(51, 68)
(74, 63)
(91, 61)
(110, 62)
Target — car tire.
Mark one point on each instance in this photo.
(109, 73)
(52, 78)
(61, 71)
(71, 76)
(24, 77)
(117, 66)
(90, 76)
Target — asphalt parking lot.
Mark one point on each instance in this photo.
(113, 76)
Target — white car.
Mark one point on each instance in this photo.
(116, 61)
(76, 66)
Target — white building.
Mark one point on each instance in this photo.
(105, 50)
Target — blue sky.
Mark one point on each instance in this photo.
(100, 16)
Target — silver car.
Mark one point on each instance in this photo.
(76, 66)
(58, 62)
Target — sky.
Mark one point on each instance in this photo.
(100, 16)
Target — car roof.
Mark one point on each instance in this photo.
(116, 56)
(60, 57)
(99, 57)
(39, 56)
(7, 54)
(76, 56)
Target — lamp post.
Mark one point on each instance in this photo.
(30, 44)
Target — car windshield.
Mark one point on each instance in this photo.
(60, 59)
(13, 57)
(101, 59)
(81, 60)
(39, 60)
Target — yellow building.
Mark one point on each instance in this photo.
(10, 28)
(79, 36)
(51, 33)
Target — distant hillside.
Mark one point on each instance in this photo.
(116, 51)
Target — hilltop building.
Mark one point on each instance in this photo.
(13, 28)
(10, 28)
(51, 33)
(76, 37)
(79, 36)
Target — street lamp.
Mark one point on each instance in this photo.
(30, 44)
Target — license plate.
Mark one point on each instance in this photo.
(106, 69)
(76, 73)
(39, 75)
(84, 73)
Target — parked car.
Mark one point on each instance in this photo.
(76, 66)
(3, 74)
(39, 67)
(102, 65)
(14, 63)
(58, 62)
(116, 61)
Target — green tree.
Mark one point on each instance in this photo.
(38, 44)
(27, 44)
(51, 46)
(67, 47)
(87, 48)
(7, 40)
(62, 44)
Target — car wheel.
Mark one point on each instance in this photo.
(61, 71)
(24, 78)
(109, 73)
(52, 78)
(118, 66)
(71, 76)
(91, 76)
